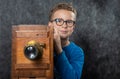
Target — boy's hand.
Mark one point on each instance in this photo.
(57, 41)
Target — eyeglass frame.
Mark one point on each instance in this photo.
(67, 21)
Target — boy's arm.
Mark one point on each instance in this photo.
(70, 69)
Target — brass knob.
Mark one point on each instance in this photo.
(34, 50)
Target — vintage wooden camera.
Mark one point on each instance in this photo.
(32, 52)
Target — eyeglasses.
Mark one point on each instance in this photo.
(60, 22)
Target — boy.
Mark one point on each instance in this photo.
(68, 57)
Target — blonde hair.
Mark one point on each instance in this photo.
(65, 6)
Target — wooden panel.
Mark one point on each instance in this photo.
(33, 78)
(32, 73)
(32, 66)
(37, 34)
(20, 55)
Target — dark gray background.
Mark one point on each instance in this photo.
(97, 32)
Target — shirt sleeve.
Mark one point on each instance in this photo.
(72, 68)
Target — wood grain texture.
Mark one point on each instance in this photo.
(24, 68)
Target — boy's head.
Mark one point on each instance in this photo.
(63, 17)
(65, 6)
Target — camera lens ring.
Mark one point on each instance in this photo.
(31, 52)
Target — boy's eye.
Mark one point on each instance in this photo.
(69, 21)
(59, 20)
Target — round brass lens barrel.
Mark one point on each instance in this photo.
(33, 50)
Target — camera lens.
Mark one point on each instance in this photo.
(31, 52)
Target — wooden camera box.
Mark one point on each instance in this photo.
(32, 52)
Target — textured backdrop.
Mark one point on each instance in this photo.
(97, 32)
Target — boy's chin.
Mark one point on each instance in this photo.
(63, 38)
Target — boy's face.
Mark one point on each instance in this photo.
(66, 28)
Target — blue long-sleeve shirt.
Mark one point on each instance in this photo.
(69, 64)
